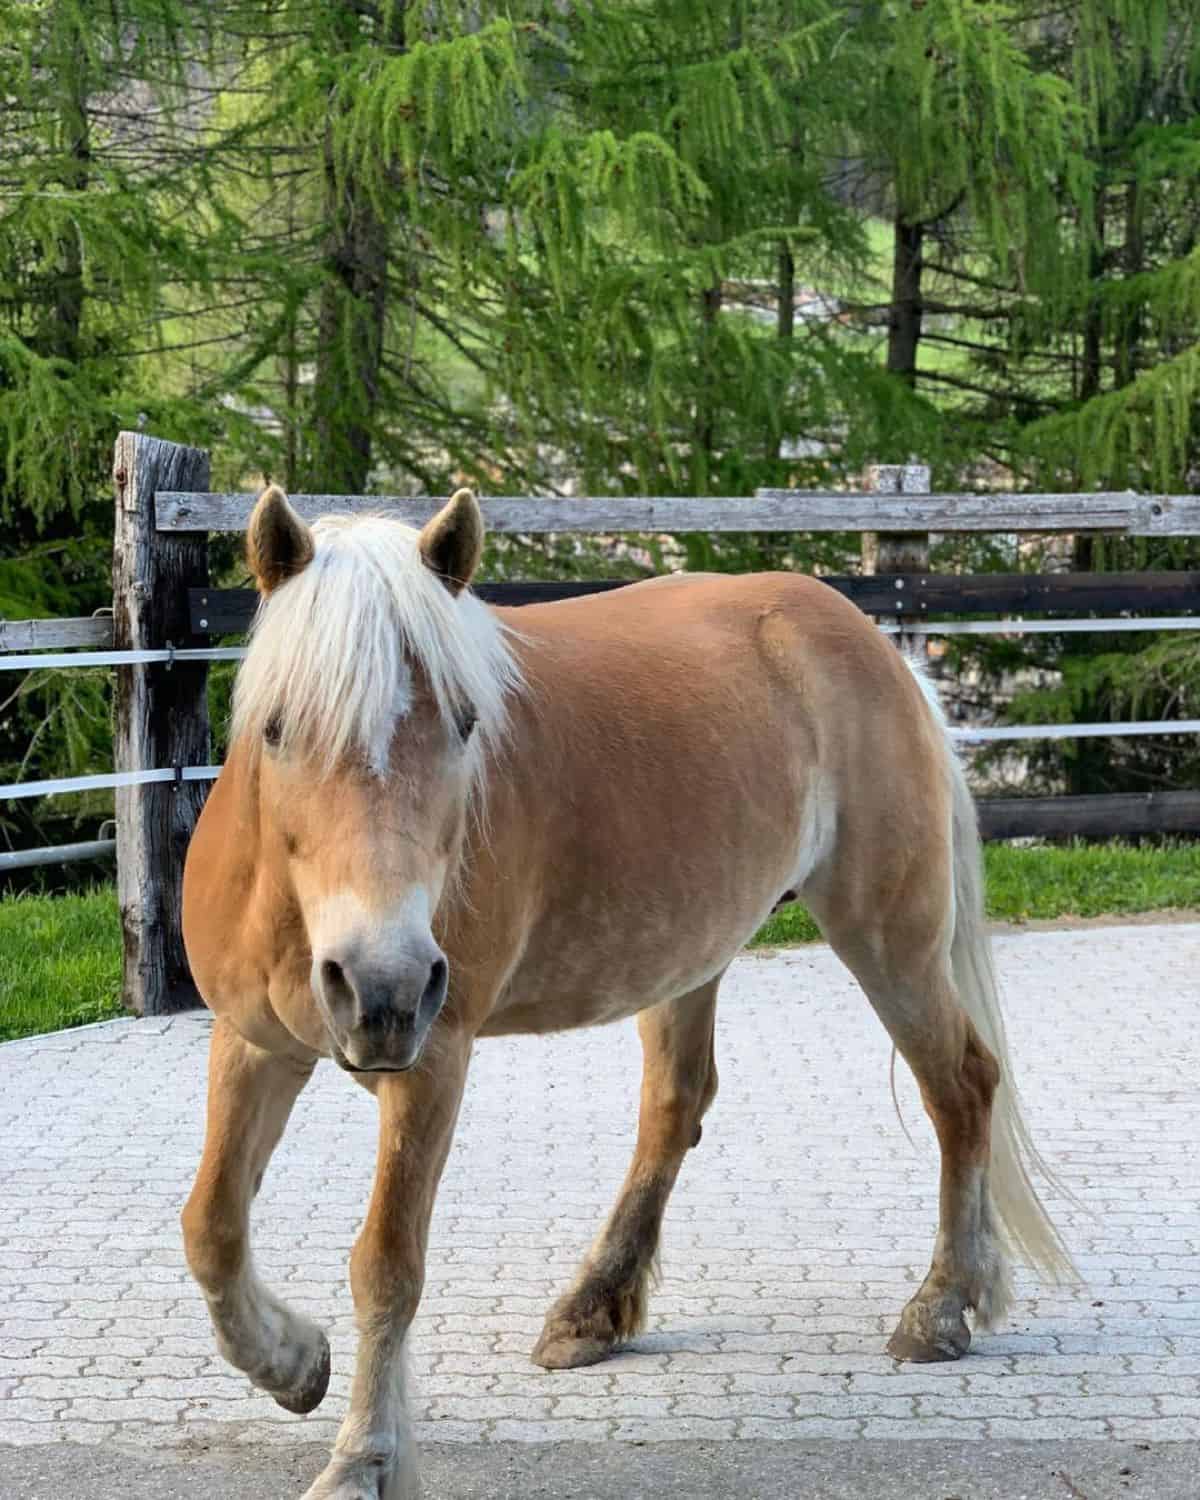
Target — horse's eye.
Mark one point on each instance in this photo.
(465, 724)
(272, 732)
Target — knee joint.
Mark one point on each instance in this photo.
(215, 1251)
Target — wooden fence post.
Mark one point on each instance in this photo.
(161, 717)
(901, 551)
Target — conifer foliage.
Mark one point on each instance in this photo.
(656, 246)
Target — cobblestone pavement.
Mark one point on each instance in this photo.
(799, 1227)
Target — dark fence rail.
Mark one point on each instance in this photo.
(230, 611)
(1110, 815)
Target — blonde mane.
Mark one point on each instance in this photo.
(332, 650)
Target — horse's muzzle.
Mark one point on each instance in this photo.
(379, 1016)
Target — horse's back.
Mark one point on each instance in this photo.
(685, 599)
(778, 646)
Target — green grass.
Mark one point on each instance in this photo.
(60, 961)
(1090, 880)
(1077, 880)
(60, 956)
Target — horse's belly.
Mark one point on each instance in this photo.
(593, 970)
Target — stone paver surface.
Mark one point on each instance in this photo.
(799, 1227)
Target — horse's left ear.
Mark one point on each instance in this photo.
(452, 543)
(278, 543)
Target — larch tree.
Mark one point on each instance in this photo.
(97, 174)
(973, 151)
(655, 227)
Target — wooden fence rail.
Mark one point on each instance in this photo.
(44, 635)
(230, 611)
(1120, 512)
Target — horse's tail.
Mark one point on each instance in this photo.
(1020, 1214)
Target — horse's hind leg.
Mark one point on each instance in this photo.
(902, 962)
(607, 1302)
(250, 1096)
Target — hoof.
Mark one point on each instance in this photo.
(559, 1350)
(333, 1484)
(930, 1349)
(308, 1395)
(367, 1477)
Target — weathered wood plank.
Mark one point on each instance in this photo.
(38, 635)
(1111, 511)
(1168, 515)
(1112, 815)
(898, 552)
(230, 611)
(768, 510)
(161, 717)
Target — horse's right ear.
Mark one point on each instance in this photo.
(278, 543)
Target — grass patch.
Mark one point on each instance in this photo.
(60, 956)
(60, 961)
(1090, 880)
(1075, 880)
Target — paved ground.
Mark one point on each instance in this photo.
(884, 1469)
(798, 1230)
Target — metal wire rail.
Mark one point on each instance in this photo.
(1014, 733)
(33, 661)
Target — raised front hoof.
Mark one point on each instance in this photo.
(930, 1346)
(559, 1349)
(309, 1392)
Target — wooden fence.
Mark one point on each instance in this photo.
(165, 614)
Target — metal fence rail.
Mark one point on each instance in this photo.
(36, 661)
(56, 854)
(168, 656)
(1133, 728)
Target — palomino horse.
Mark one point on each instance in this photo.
(440, 821)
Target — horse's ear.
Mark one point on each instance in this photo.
(278, 543)
(452, 543)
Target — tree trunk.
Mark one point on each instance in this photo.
(64, 335)
(1129, 337)
(898, 552)
(785, 320)
(904, 324)
(1093, 324)
(785, 324)
(704, 439)
(1085, 548)
(350, 340)
(353, 309)
(290, 358)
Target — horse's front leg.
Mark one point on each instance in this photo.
(374, 1457)
(250, 1096)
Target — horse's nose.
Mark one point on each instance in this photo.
(387, 996)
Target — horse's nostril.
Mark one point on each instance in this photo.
(435, 988)
(334, 981)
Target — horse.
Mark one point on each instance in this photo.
(440, 821)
